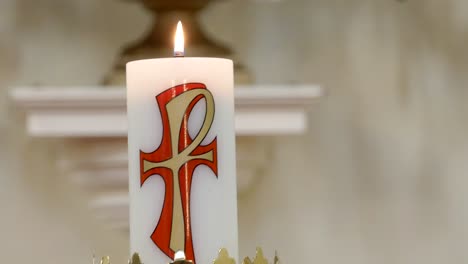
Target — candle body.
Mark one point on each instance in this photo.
(181, 147)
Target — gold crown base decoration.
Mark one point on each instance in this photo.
(223, 258)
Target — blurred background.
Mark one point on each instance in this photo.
(379, 177)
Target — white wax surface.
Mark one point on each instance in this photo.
(213, 199)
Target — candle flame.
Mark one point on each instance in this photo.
(179, 41)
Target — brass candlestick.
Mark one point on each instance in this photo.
(158, 43)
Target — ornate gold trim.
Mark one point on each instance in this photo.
(223, 258)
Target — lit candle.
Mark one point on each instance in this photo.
(181, 151)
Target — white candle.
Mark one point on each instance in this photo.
(181, 151)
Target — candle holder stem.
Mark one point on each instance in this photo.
(158, 42)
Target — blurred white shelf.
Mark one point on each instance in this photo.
(94, 120)
(101, 112)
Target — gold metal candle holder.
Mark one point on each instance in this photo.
(157, 43)
(223, 258)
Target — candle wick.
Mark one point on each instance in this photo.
(179, 54)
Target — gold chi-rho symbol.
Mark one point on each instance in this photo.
(175, 161)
